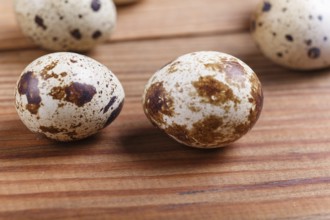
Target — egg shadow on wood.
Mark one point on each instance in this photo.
(154, 149)
(46, 148)
(123, 7)
(271, 73)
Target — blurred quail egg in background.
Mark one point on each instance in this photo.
(67, 96)
(66, 25)
(294, 33)
(204, 99)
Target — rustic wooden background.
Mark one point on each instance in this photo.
(130, 170)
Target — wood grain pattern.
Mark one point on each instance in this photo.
(130, 170)
(153, 19)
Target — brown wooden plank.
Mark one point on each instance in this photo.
(130, 170)
(280, 170)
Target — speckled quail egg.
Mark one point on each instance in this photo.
(124, 2)
(204, 99)
(294, 33)
(67, 96)
(66, 25)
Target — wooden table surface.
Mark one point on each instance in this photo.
(131, 170)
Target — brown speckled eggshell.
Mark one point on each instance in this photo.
(66, 25)
(204, 99)
(295, 33)
(67, 96)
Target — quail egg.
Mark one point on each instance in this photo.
(295, 33)
(66, 25)
(67, 96)
(204, 99)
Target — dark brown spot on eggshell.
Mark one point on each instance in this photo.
(45, 71)
(63, 74)
(33, 108)
(76, 34)
(206, 132)
(73, 126)
(279, 54)
(79, 93)
(289, 37)
(76, 93)
(180, 132)
(60, 105)
(242, 129)
(308, 42)
(266, 7)
(57, 92)
(213, 91)
(111, 102)
(26, 80)
(96, 5)
(54, 130)
(51, 129)
(97, 35)
(114, 114)
(193, 108)
(214, 66)
(173, 67)
(314, 53)
(40, 22)
(28, 85)
(158, 102)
